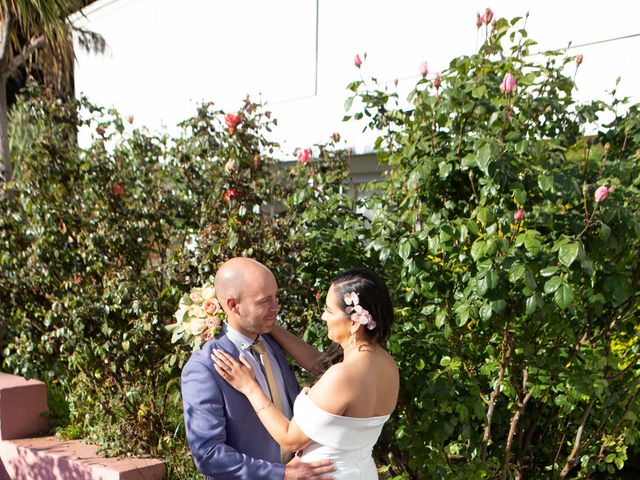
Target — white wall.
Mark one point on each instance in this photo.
(165, 56)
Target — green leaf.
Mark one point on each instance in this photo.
(462, 312)
(531, 305)
(568, 253)
(552, 284)
(477, 249)
(563, 296)
(531, 242)
(516, 272)
(547, 272)
(498, 306)
(486, 311)
(404, 250)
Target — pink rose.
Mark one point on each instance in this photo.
(424, 70)
(196, 296)
(210, 306)
(437, 81)
(117, 190)
(601, 193)
(232, 120)
(579, 59)
(304, 155)
(357, 61)
(508, 84)
(232, 194)
(488, 16)
(519, 215)
(479, 20)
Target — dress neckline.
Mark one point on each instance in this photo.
(378, 417)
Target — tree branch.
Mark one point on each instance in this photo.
(27, 51)
(506, 353)
(571, 459)
(514, 423)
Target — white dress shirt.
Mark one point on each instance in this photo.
(243, 343)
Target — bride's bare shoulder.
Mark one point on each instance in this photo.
(332, 392)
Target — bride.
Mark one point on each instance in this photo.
(341, 416)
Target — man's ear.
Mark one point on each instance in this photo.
(232, 305)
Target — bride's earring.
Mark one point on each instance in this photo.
(352, 341)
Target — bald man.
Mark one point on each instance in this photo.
(226, 438)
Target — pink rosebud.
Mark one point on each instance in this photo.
(488, 16)
(436, 81)
(304, 155)
(437, 96)
(508, 84)
(519, 215)
(479, 20)
(424, 70)
(357, 61)
(601, 193)
(232, 120)
(579, 59)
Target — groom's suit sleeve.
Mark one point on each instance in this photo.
(205, 423)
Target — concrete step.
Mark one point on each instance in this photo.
(23, 407)
(48, 458)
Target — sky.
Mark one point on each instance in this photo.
(166, 56)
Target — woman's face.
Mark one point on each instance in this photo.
(338, 324)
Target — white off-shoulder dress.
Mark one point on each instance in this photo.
(348, 441)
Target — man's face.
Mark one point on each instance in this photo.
(258, 306)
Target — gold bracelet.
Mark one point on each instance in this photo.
(264, 407)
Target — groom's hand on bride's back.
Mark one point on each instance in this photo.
(299, 470)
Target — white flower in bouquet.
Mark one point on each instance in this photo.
(198, 317)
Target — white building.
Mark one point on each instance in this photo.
(166, 56)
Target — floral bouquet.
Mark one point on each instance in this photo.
(198, 317)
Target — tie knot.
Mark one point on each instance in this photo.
(258, 346)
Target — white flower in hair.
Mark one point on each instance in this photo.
(358, 314)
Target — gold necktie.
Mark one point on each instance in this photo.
(259, 347)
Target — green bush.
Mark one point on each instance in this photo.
(518, 338)
(98, 245)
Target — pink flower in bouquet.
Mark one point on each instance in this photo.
(424, 69)
(519, 215)
(601, 193)
(196, 296)
(508, 84)
(479, 20)
(210, 306)
(207, 335)
(232, 120)
(579, 59)
(304, 155)
(213, 322)
(437, 81)
(357, 61)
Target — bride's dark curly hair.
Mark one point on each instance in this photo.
(374, 296)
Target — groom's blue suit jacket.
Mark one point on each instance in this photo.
(226, 437)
